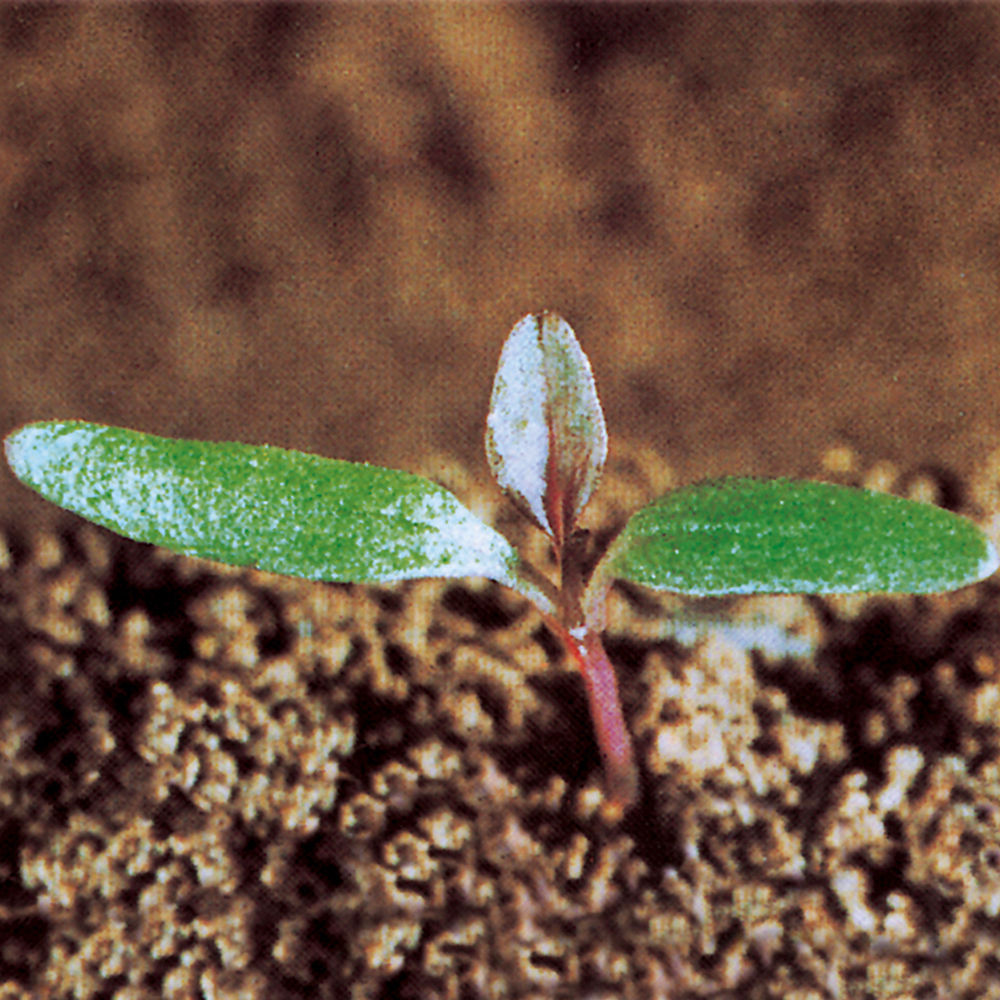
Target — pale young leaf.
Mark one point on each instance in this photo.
(545, 436)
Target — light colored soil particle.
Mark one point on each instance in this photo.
(216, 783)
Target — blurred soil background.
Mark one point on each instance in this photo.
(776, 231)
(772, 227)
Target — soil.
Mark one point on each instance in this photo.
(774, 230)
(219, 783)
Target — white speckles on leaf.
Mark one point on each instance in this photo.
(753, 536)
(282, 511)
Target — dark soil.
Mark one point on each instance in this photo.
(218, 783)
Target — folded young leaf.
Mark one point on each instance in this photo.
(752, 536)
(282, 511)
(545, 436)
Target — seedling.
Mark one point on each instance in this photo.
(325, 519)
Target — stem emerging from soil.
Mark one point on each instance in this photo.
(613, 739)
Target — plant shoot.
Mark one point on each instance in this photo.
(324, 519)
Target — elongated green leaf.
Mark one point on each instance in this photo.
(282, 511)
(545, 436)
(746, 536)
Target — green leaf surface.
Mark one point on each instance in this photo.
(753, 536)
(282, 511)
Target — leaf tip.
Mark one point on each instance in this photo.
(989, 563)
(46, 456)
(21, 446)
(10, 447)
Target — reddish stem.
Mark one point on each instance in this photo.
(612, 734)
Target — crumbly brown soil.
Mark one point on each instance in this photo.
(218, 783)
